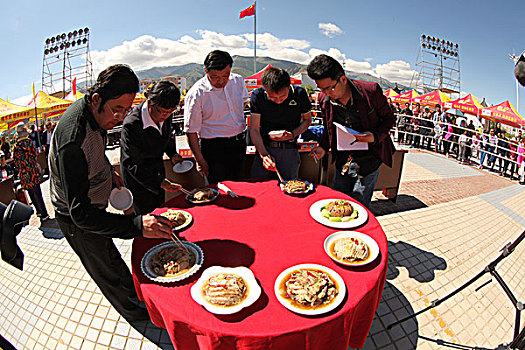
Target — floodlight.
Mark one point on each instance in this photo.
(80, 31)
(86, 30)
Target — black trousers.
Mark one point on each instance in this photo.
(105, 265)
(225, 158)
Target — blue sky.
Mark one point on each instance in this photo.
(377, 37)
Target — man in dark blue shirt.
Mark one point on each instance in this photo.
(280, 113)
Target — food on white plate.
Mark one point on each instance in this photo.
(309, 288)
(339, 211)
(295, 186)
(225, 289)
(350, 249)
(202, 194)
(171, 261)
(176, 217)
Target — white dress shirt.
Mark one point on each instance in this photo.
(214, 112)
(146, 119)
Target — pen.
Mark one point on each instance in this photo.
(351, 143)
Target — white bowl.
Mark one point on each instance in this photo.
(121, 199)
(276, 134)
(373, 248)
(254, 290)
(183, 166)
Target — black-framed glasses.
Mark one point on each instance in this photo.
(163, 111)
(331, 88)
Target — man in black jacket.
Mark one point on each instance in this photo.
(145, 137)
(82, 179)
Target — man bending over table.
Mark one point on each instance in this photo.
(82, 179)
(278, 106)
(361, 106)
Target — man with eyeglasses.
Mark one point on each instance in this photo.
(81, 181)
(278, 106)
(214, 115)
(363, 107)
(145, 137)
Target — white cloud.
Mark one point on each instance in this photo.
(396, 71)
(330, 29)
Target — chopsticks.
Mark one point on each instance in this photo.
(279, 175)
(183, 190)
(178, 242)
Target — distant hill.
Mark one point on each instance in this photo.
(244, 67)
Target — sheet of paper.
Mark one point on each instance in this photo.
(346, 140)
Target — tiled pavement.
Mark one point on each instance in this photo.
(448, 223)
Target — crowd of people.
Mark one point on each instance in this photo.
(439, 131)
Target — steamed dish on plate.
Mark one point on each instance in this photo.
(309, 288)
(172, 261)
(339, 211)
(176, 217)
(202, 194)
(225, 289)
(350, 249)
(295, 186)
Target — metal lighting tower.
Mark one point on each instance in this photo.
(438, 66)
(66, 57)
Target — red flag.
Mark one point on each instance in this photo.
(250, 11)
(74, 87)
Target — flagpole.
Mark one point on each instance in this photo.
(255, 37)
(36, 118)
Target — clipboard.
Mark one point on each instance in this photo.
(346, 140)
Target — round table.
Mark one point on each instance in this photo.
(266, 231)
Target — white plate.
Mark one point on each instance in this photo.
(369, 241)
(121, 199)
(189, 219)
(190, 195)
(276, 133)
(287, 303)
(183, 166)
(315, 212)
(254, 290)
(145, 264)
(309, 187)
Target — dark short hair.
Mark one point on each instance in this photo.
(275, 79)
(164, 94)
(217, 60)
(114, 82)
(324, 66)
(519, 69)
(438, 105)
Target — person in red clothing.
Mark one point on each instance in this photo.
(29, 174)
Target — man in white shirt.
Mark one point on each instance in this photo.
(214, 113)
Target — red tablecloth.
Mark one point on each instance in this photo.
(266, 231)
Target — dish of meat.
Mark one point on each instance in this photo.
(226, 290)
(180, 219)
(296, 186)
(339, 213)
(309, 289)
(351, 248)
(168, 262)
(202, 195)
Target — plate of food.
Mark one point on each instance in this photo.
(309, 289)
(351, 248)
(339, 213)
(180, 219)
(296, 186)
(226, 290)
(202, 195)
(169, 262)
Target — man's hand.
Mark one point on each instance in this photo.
(268, 162)
(169, 186)
(203, 168)
(317, 153)
(155, 226)
(366, 136)
(116, 179)
(177, 158)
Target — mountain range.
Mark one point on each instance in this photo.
(244, 67)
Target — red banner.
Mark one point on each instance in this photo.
(250, 11)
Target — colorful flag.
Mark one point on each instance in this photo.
(34, 94)
(250, 11)
(74, 87)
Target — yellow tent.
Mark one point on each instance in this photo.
(52, 106)
(139, 98)
(74, 97)
(11, 114)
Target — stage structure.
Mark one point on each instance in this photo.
(66, 57)
(437, 67)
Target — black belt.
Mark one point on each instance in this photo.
(237, 137)
(283, 145)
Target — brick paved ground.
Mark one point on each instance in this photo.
(448, 223)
